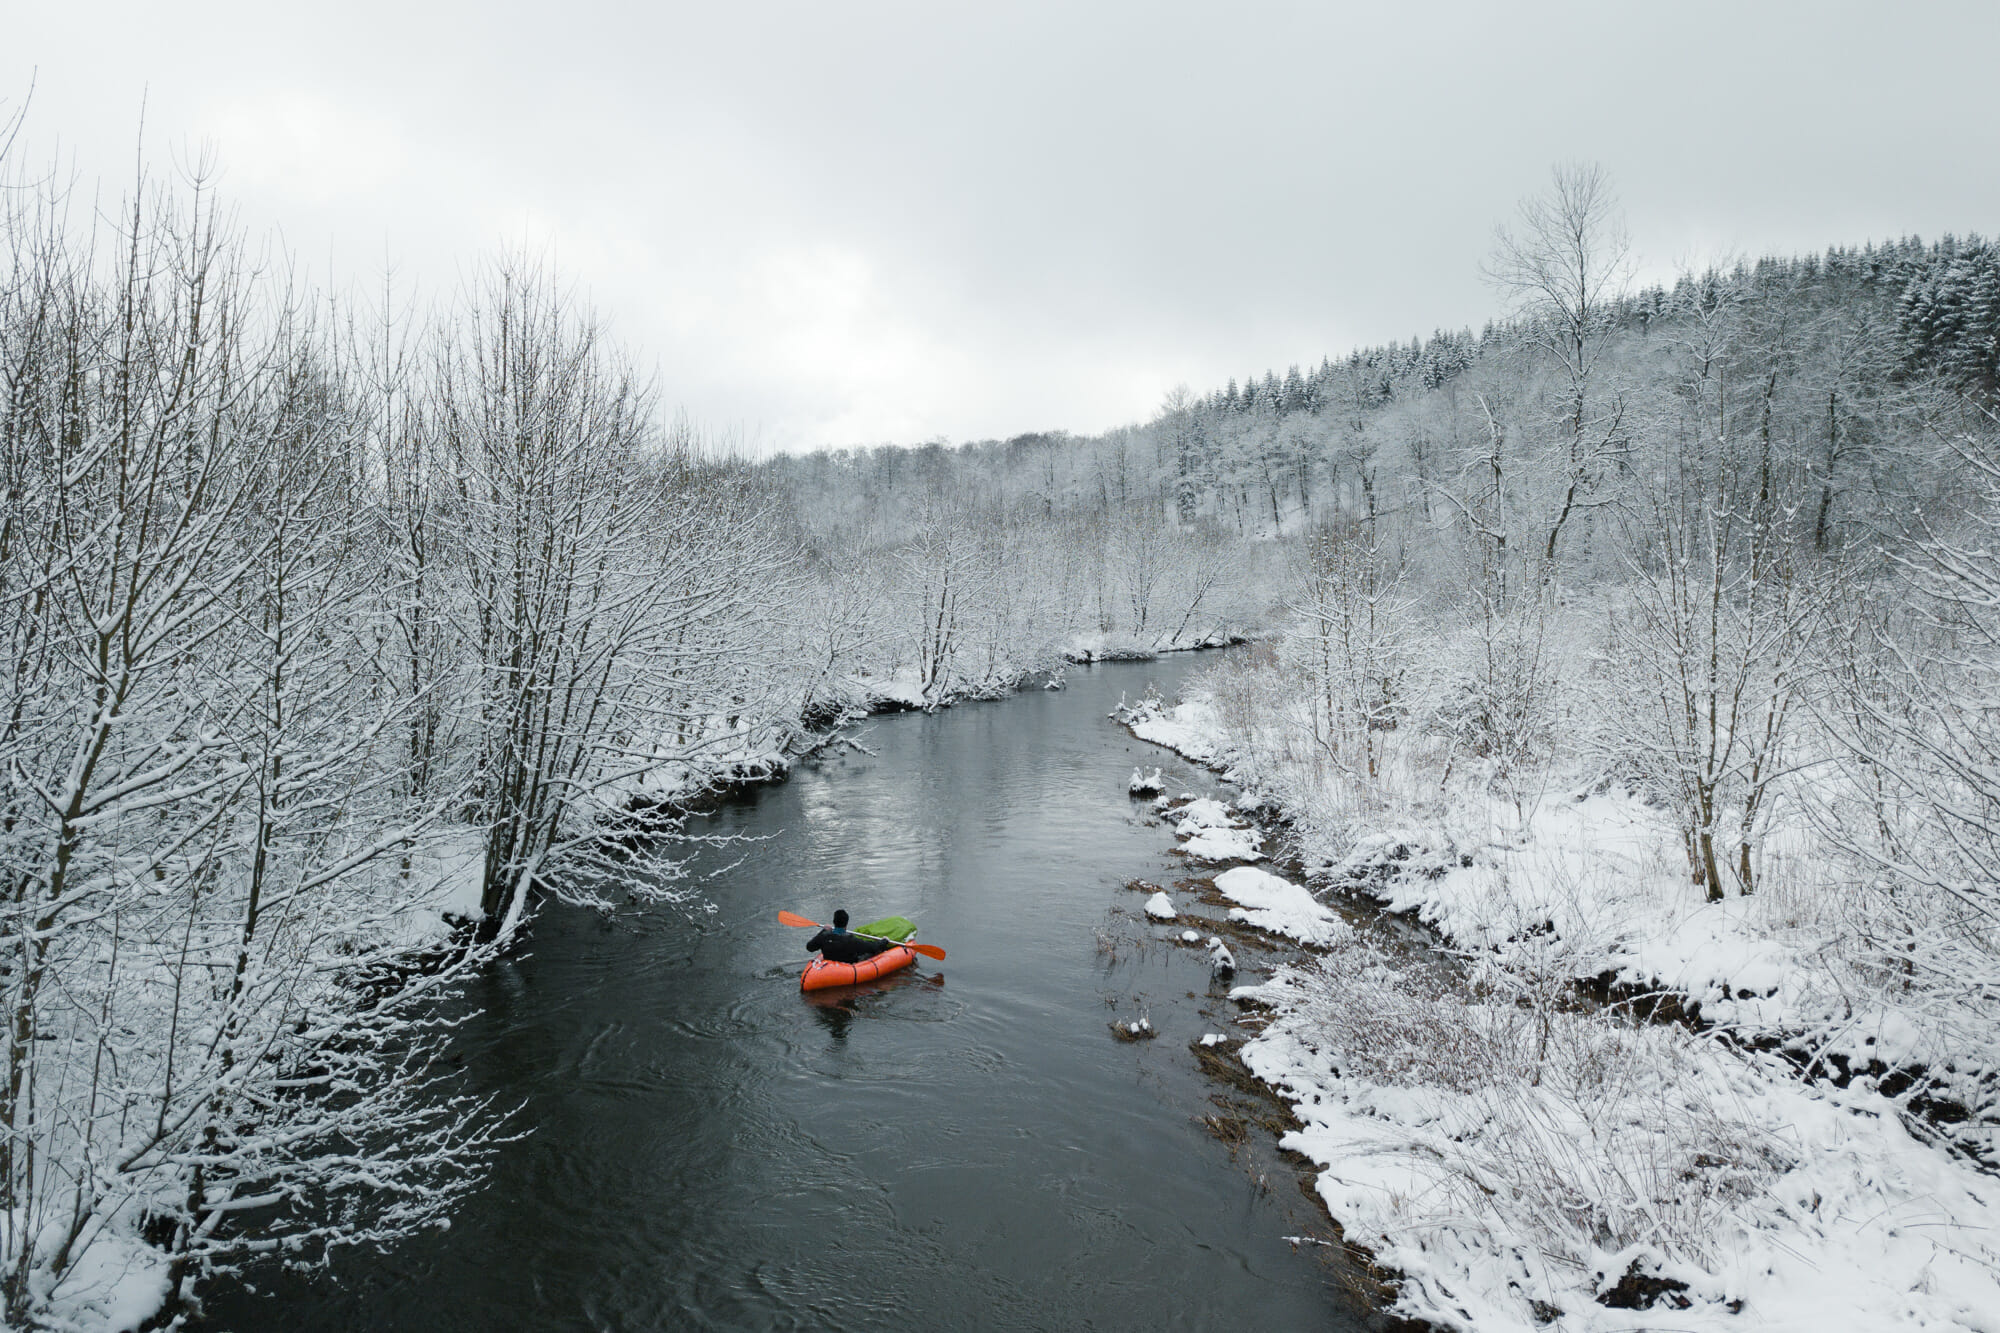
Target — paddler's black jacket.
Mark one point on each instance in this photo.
(841, 946)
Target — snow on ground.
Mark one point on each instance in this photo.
(1596, 885)
(1160, 907)
(450, 866)
(1603, 873)
(1780, 1204)
(901, 689)
(1279, 906)
(1189, 729)
(1224, 845)
(1834, 1219)
(1491, 877)
(116, 1284)
(1212, 833)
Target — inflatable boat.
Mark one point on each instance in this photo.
(823, 975)
(820, 974)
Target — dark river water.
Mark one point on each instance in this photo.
(964, 1146)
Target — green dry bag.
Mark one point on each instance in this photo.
(898, 928)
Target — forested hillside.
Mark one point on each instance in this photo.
(1832, 356)
(1823, 393)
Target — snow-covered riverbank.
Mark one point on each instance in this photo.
(1523, 1159)
(895, 687)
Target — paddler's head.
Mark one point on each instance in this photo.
(840, 919)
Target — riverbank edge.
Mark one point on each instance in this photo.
(1362, 1272)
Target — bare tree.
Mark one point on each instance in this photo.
(943, 577)
(1180, 435)
(1724, 616)
(612, 578)
(1565, 266)
(198, 820)
(1350, 641)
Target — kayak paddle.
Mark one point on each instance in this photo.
(927, 950)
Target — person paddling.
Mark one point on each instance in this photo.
(837, 944)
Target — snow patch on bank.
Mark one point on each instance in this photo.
(1279, 906)
(1224, 845)
(1189, 729)
(116, 1284)
(1213, 834)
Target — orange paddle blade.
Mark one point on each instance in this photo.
(794, 919)
(927, 950)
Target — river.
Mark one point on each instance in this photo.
(966, 1145)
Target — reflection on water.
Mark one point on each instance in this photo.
(838, 1006)
(958, 1145)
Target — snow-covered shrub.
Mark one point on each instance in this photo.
(1386, 1026)
(1582, 1133)
(1493, 703)
(1244, 688)
(1626, 1141)
(1914, 809)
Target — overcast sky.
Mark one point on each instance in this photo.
(855, 223)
